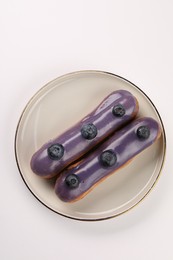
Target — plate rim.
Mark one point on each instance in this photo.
(67, 75)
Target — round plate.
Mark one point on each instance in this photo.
(59, 105)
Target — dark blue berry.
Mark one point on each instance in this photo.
(143, 132)
(118, 110)
(55, 151)
(89, 131)
(108, 158)
(72, 181)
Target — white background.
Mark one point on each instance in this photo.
(40, 40)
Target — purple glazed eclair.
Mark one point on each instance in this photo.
(74, 183)
(114, 112)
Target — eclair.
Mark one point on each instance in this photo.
(78, 180)
(115, 111)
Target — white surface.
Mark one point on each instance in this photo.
(41, 40)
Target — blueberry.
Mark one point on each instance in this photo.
(108, 158)
(89, 131)
(72, 181)
(55, 151)
(118, 110)
(143, 132)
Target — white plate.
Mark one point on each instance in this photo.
(57, 106)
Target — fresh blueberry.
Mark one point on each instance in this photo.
(55, 151)
(89, 131)
(108, 158)
(72, 181)
(118, 110)
(143, 132)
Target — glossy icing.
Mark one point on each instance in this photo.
(74, 144)
(125, 144)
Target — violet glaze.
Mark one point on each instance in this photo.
(74, 144)
(125, 144)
